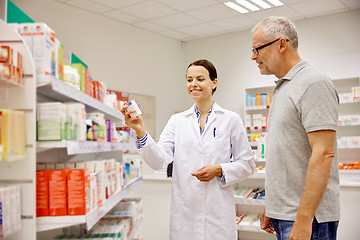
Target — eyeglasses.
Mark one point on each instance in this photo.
(255, 50)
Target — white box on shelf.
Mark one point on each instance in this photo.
(43, 52)
(51, 118)
(132, 106)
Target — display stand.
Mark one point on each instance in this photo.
(349, 179)
(21, 170)
(50, 223)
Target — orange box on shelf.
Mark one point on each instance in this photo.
(6, 70)
(6, 54)
(78, 186)
(19, 60)
(57, 193)
(88, 83)
(42, 193)
(95, 89)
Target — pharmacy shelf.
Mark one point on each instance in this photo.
(51, 223)
(354, 102)
(82, 147)
(356, 147)
(8, 83)
(349, 125)
(258, 175)
(21, 170)
(249, 228)
(255, 128)
(134, 229)
(58, 90)
(349, 178)
(157, 177)
(247, 201)
(349, 172)
(14, 159)
(260, 160)
(256, 108)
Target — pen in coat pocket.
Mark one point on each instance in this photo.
(214, 131)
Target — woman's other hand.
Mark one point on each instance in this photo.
(205, 174)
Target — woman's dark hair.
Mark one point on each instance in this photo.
(208, 66)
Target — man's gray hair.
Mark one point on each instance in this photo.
(275, 27)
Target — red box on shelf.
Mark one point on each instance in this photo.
(57, 193)
(42, 193)
(78, 186)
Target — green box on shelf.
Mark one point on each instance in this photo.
(82, 73)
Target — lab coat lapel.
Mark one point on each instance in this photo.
(210, 122)
(196, 127)
(191, 115)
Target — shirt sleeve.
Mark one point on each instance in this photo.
(318, 107)
(140, 143)
(243, 164)
(159, 155)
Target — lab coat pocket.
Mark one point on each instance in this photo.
(176, 216)
(220, 148)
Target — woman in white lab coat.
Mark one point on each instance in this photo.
(200, 142)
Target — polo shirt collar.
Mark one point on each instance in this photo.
(292, 72)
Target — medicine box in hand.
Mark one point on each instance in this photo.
(132, 106)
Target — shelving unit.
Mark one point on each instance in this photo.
(249, 110)
(249, 228)
(134, 230)
(60, 91)
(246, 201)
(257, 206)
(50, 223)
(6, 83)
(83, 147)
(349, 179)
(348, 153)
(22, 170)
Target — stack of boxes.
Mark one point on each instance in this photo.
(76, 188)
(11, 65)
(48, 55)
(12, 134)
(58, 121)
(349, 97)
(10, 210)
(116, 225)
(47, 51)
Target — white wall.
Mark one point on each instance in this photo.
(137, 61)
(319, 38)
(126, 58)
(330, 42)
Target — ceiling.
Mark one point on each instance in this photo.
(191, 19)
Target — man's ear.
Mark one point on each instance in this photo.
(283, 44)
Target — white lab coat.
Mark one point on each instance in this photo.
(202, 210)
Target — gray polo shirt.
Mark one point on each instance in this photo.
(304, 101)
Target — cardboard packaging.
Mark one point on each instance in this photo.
(43, 52)
(51, 119)
(42, 193)
(57, 193)
(78, 186)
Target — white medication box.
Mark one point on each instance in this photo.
(51, 118)
(132, 106)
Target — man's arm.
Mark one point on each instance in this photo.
(322, 145)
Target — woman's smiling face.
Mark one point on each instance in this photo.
(199, 85)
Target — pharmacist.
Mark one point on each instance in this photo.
(200, 142)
